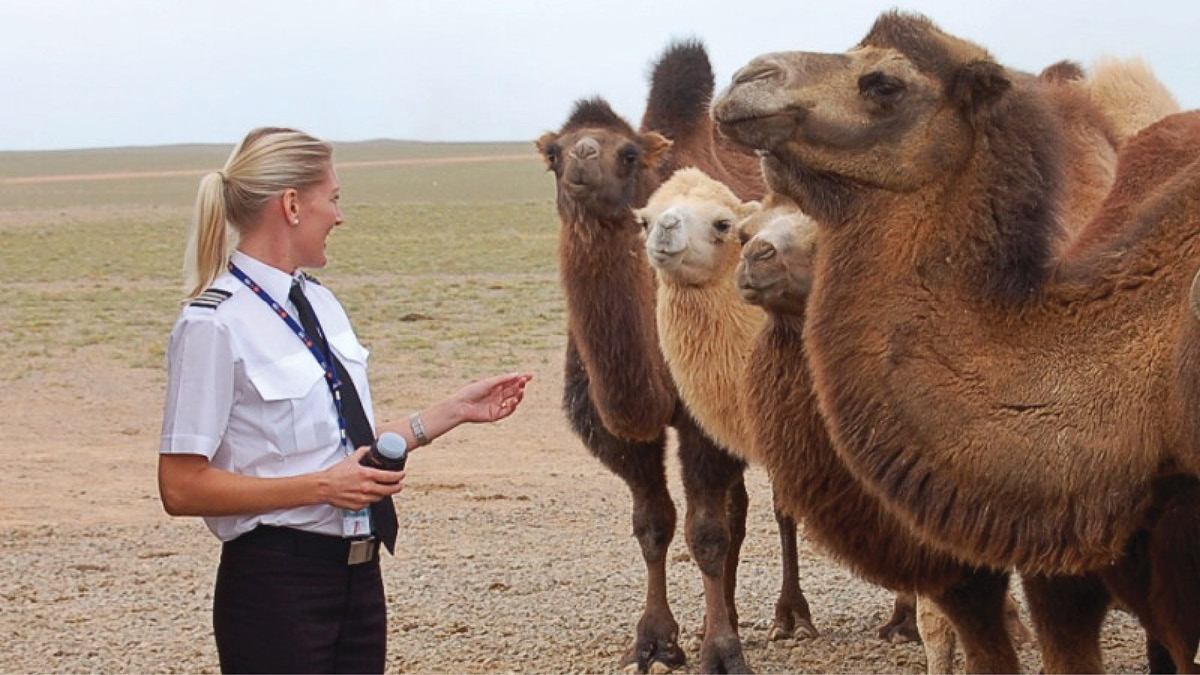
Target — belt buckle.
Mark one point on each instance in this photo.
(361, 551)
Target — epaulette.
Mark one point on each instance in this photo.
(210, 298)
(309, 277)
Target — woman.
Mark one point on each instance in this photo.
(268, 415)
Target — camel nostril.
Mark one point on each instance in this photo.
(758, 251)
(759, 69)
(669, 221)
(586, 148)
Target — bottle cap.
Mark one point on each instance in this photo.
(391, 445)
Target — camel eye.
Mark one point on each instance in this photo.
(722, 226)
(553, 154)
(882, 88)
(628, 156)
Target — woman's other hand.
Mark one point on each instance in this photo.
(493, 398)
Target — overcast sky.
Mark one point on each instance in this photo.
(100, 73)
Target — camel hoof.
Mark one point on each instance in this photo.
(901, 632)
(652, 657)
(803, 630)
(723, 655)
(806, 631)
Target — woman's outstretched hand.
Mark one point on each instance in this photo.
(493, 398)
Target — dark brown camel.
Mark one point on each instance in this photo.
(811, 481)
(1012, 408)
(618, 393)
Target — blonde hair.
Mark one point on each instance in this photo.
(267, 162)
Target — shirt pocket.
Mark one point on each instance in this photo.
(353, 356)
(297, 406)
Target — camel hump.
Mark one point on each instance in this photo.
(681, 87)
(1063, 71)
(1131, 93)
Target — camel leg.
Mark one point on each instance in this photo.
(1156, 578)
(792, 615)
(1017, 630)
(1067, 613)
(975, 607)
(642, 467)
(1158, 657)
(902, 625)
(738, 509)
(709, 473)
(938, 636)
(1174, 560)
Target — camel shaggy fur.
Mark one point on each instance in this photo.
(775, 272)
(707, 333)
(618, 393)
(1014, 408)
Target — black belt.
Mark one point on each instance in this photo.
(311, 544)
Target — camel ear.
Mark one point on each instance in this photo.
(747, 209)
(658, 149)
(543, 143)
(979, 84)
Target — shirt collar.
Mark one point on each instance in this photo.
(274, 281)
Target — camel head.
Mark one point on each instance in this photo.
(776, 267)
(689, 225)
(894, 113)
(602, 167)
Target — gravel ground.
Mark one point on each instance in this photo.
(516, 554)
(531, 578)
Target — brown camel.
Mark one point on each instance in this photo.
(618, 393)
(1013, 408)
(840, 516)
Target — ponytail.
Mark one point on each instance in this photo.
(211, 238)
(267, 162)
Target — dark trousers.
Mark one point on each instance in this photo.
(276, 612)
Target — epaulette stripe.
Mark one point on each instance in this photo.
(210, 298)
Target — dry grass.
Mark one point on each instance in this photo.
(455, 260)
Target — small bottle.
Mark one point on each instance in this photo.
(388, 452)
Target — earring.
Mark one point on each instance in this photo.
(295, 221)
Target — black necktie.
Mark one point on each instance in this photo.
(358, 429)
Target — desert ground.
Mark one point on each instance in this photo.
(515, 553)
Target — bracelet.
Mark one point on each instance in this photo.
(418, 428)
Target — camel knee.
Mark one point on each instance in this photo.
(654, 527)
(709, 543)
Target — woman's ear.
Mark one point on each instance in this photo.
(289, 201)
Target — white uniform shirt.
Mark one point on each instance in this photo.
(245, 392)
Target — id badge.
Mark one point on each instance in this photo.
(356, 523)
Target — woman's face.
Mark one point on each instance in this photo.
(319, 213)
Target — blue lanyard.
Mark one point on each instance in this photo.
(321, 354)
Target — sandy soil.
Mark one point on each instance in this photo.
(515, 555)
